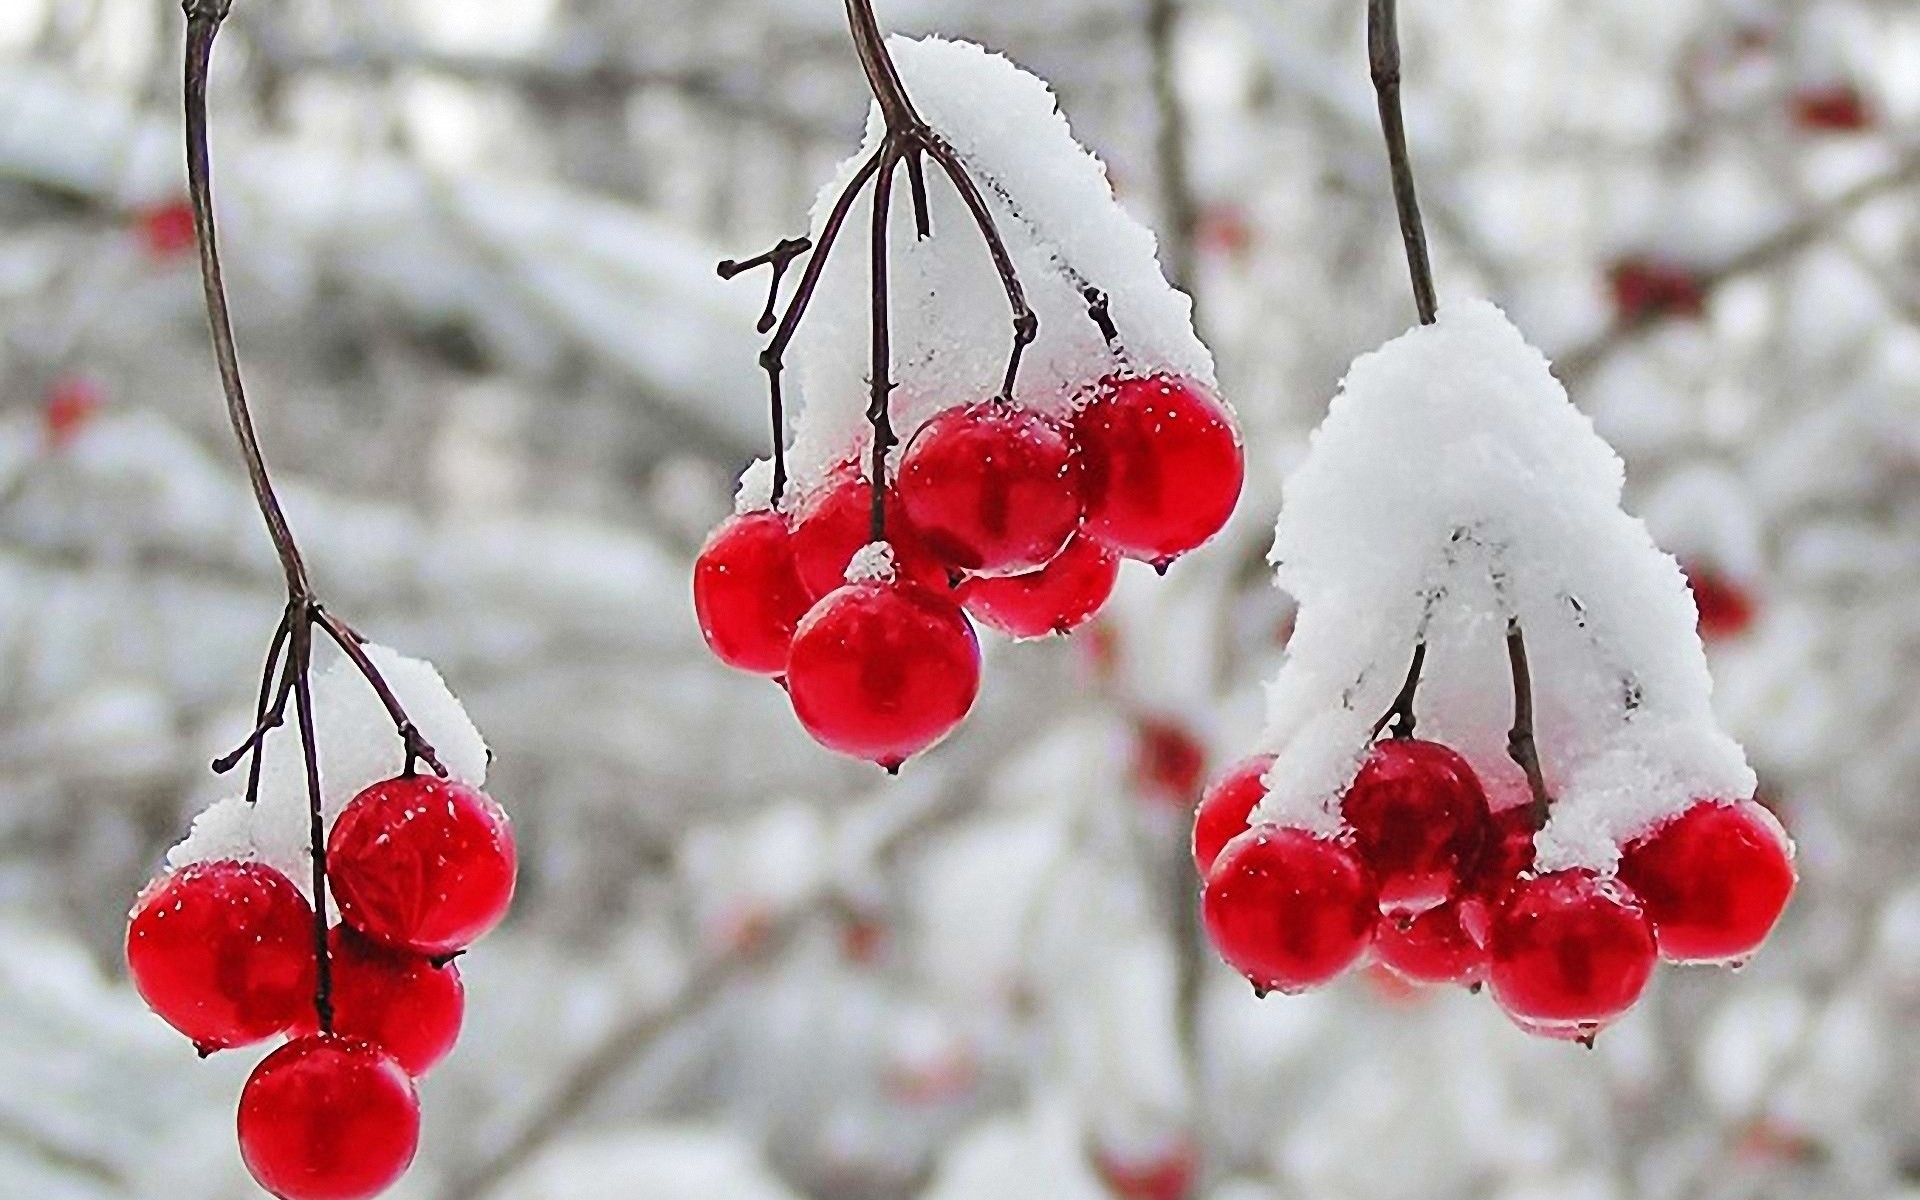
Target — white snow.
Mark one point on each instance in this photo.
(870, 563)
(1453, 485)
(951, 324)
(357, 747)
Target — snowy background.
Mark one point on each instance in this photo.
(471, 248)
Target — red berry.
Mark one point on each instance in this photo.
(393, 999)
(991, 487)
(1289, 910)
(882, 669)
(1058, 598)
(223, 952)
(1507, 855)
(1434, 947)
(1419, 817)
(1569, 953)
(165, 230)
(1168, 760)
(1713, 880)
(70, 404)
(422, 864)
(836, 520)
(1645, 288)
(1725, 607)
(1167, 1174)
(1832, 108)
(1223, 811)
(1161, 465)
(747, 592)
(328, 1118)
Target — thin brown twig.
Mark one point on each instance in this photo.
(1521, 746)
(1383, 58)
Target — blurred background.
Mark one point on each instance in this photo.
(471, 245)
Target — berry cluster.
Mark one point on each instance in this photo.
(226, 952)
(1015, 517)
(1442, 889)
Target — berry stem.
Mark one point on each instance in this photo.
(1521, 746)
(1400, 714)
(294, 634)
(1383, 58)
(882, 369)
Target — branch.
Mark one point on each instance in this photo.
(1170, 144)
(1383, 58)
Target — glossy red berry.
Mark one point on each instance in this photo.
(1289, 910)
(393, 999)
(1713, 880)
(1223, 810)
(1434, 947)
(1507, 855)
(328, 1118)
(1569, 953)
(223, 952)
(1161, 465)
(1057, 598)
(991, 487)
(883, 669)
(833, 522)
(1419, 818)
(422, 864)
(747, 592)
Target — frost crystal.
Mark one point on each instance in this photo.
(357, 747)
(951, 325)
(1453, 486)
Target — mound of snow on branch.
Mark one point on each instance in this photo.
(357, 747)
(951, 324)
(1452, 487)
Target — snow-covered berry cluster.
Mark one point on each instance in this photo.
(225, 946)
(1014, 495)
(1576, 814)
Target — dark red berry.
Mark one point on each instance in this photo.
(1434, 947)
(1161, 465)
(1419, 818)
(747, 592)
(1289, 910)
(1057, 598)
(223, 952)
(1569, 953)
(394, 999)
(328, 1118)
(1831, 108)
(991, 487)
(835, 520)
(883, 669)
(1713, 880)
(422, 864)
(1223, 811)
(1169, 761)
(1644, 288)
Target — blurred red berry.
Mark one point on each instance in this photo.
(165, 230)
(1169, 762)
(1831, 108)
(69, 405)
(1645, 288)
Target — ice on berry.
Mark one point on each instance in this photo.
(1453, 486)
(357, 746)
(950, 321)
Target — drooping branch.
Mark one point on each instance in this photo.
(1383, 57)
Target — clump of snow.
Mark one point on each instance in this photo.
(357, 746)
(951, 324)
(755, 492)
(871, 563)
(1453, 486)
